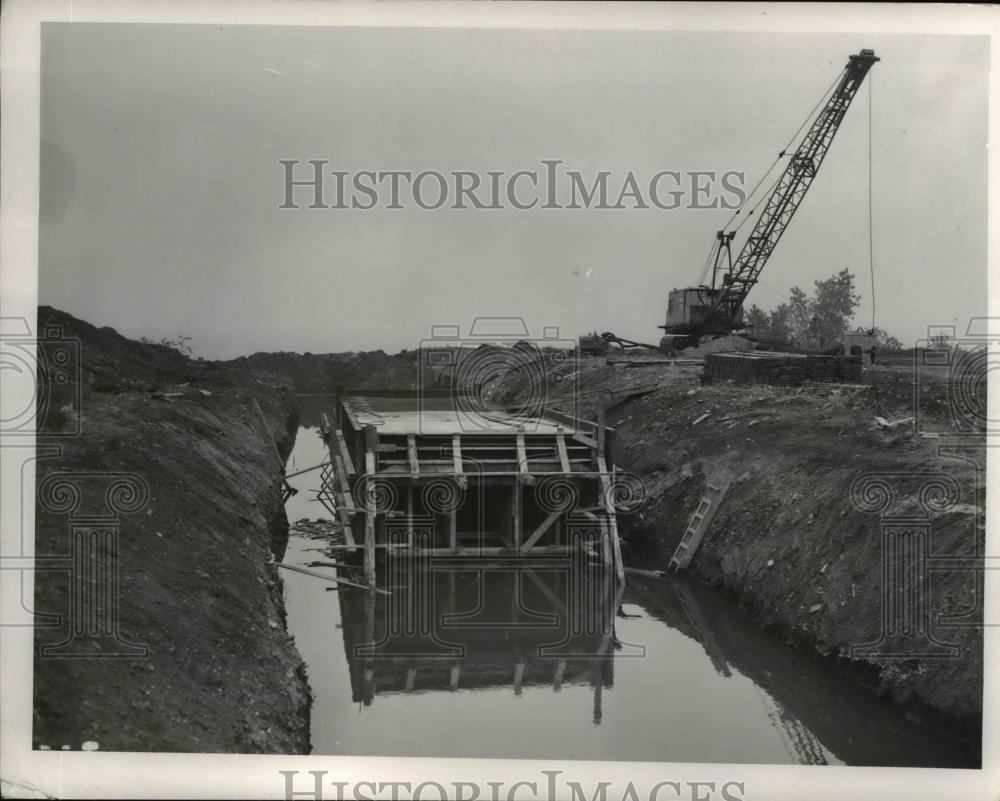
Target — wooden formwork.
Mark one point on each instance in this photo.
(435, 473)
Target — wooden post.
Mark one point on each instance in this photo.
(456, 453)
(411, 449)
(516, 512)
(561, 447)
(598, 681)
(558, 678)
(368, 662)
(600, 430)
(409, 514)
(609, 507)
(370, 510)
(453, 529)
(607, 556)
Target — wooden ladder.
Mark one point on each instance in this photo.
(700, 521)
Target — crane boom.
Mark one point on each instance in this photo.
(714, 309)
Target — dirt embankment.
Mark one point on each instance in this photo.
(195, 450)
(803, 558)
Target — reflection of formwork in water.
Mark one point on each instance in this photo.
(439, 473)
(799, 742)
(486, 627)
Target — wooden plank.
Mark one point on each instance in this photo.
(538, 532)
(607, 557)
(344, 453)
(550, 596)
(329, 564)
(473, 552)
(334, 579)
(409, 514)
(609, 505)
(456, 453)
(518, 676)
(306, 470)
(557, 680)
(522, 455)
(370, 443)
(341, 472)
(516, 512)
(411, 449)
(561, 447)
(600, 431)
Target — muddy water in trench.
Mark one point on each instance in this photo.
(504, 663)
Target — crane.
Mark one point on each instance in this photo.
(718, 307)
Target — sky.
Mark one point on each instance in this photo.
(161, 182)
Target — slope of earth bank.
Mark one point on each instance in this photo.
(790, 540)
(186, 457)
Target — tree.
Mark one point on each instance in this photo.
(799, 316)
(833, 306)
(819, 321)
(758, 321)
(781, 329)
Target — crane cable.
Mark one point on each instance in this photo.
(786, 150)
(871, 247)
(824, 98)
(708, 261)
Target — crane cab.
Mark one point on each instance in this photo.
(689, 310)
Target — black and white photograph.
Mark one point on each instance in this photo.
(497, 401)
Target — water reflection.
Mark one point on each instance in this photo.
(447, 628)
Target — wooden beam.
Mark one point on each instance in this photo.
(607, 557)
(561, 447)
(473, 552)
(370, 443)
(538, 532)
(456, 453)
(609, 505)
(601, 444)
(411, 449)
(557, 680)
(409, 514)
(345, 454)
(516, 512)
(522, 456)
(549, 595)
(334, 579)
(306, 470)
